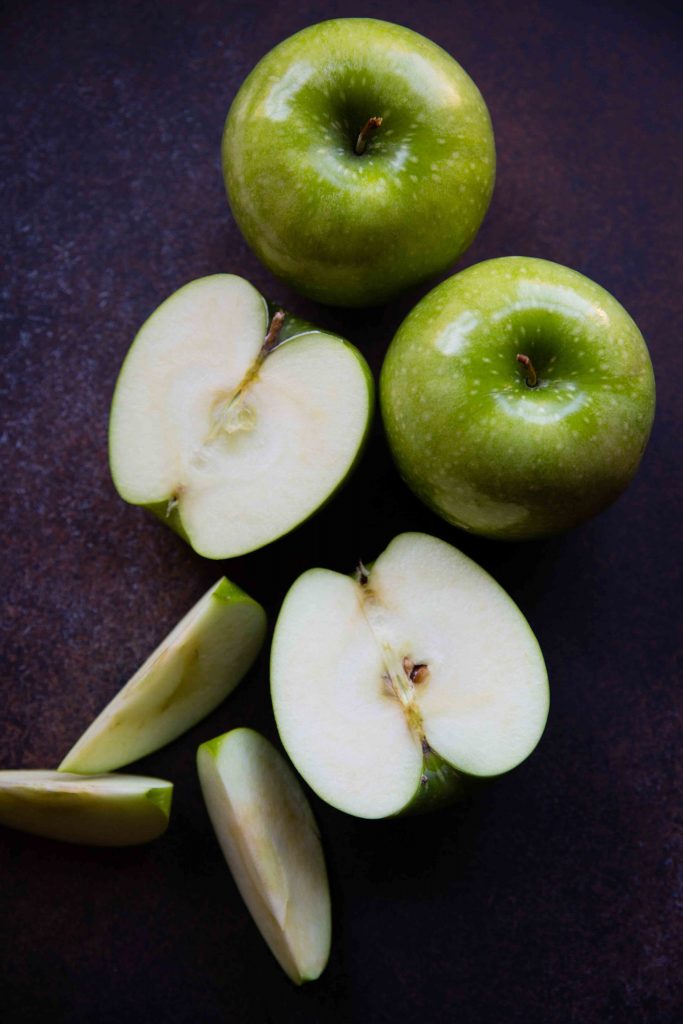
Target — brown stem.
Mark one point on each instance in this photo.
(362, 140)
(531, 376)
(270, 340)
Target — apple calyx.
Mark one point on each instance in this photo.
(531, 375)
(363, 135)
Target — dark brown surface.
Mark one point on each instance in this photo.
(554, 896)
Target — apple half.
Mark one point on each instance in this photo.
(270, 840)
(231, 426)
(100, 810)
(198, 664)
(393, 687)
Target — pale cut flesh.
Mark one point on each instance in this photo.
(268, 835)
(235, 448)
(99, 810)
(356, 726)
(199, 663)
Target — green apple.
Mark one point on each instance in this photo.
(232, 426)
(393, 688)
(199, 663)
(359, 160)
(100, 810)
(270, 840)
(517, 398)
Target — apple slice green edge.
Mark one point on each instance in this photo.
(231, 425)
(396, 688)
(198, 664)
(270, 840)
(98, 810)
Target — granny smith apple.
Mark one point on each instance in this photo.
(100, 810)
(517, 398)
(270, 840)
(359, 160)
(233, 424)
(198, 664)
(395, 687)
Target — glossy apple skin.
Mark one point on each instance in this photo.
(483, 449)
(349, 229)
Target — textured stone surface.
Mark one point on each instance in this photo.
(553, 897)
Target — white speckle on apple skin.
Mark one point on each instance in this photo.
(581, 447)
(264, 186)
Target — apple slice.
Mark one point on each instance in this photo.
(198, 664)
(391, 688)
(270, 840)
(230, 429)
(101, 810)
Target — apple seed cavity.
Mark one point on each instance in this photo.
(230, 413)
(400, 675)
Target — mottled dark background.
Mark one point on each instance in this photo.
(554, 896)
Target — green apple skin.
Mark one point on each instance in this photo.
(481, 447)
(349, 229)
(97, 810)
(270, 839)
(440, 785)
(190, 673)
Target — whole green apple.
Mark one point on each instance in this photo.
(517, 398)
(359, 160)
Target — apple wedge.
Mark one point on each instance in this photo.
(198, 664)
(100, 810)
(392, 687)
(233, 427)
(270, 840)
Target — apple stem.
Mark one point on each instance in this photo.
(531, 375)
(362, 140)
(270, 340)
(233, 414)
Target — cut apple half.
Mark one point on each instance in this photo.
(100, 810)
(232, 427)
(198, 664)
(392, 687)
(268, 835)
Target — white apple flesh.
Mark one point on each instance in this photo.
(270, 840)
(198, 664)
(99, 810)
(229, 436)
(391, 688)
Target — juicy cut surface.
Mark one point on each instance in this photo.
(351, 718)
(270, 840)
(240, 445)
